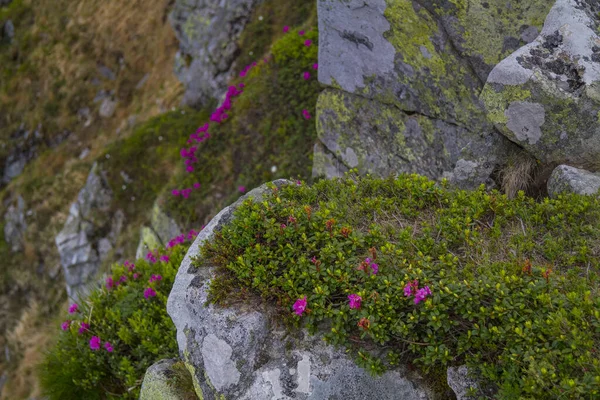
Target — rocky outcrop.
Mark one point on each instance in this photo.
(546, 95)
(89, 234)
(566, 179)
(208, 31)
(446, 89)
(235, 353)
(162, 229)
(461, 383)
(162, 382)
(15, 225)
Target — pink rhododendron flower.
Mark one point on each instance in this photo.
(108, 347)
(241, 189)
(73, 308)
(95, 343)
(300, 306)
(83, 328)
(122, 279)
(189, 168)
(421, 294)
(150, 257)
(306, 76)
(175, 192)
(315, 66)
(306, 114)
(301, 33)
(307, 42)
(374, 268)
(196, 185)
(354, 301)
(155, 278)
(164, 258)
(136, 275)
(286, 29)
(65, 325)
(110, 283)
(408, 290)
(149, 292)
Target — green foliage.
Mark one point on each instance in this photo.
(514, 283)
(266, 128)
(139, 330)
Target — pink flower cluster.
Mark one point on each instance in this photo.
(300, 306)
(412, 288)
(111, 283)
(354, 301)
(155, 278)
(185, 192)
(182, 238)
(149, 292)
(151, 257)
(306, 114)
(95, 344)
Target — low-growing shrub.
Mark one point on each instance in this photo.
(404, 270)
(109, 340)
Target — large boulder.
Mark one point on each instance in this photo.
(234, 353)
(399, 79)
(546, 95)
(89, 234)
(566, 179)
(208, 32)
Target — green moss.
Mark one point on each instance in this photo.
(485, 24)
(497, 102)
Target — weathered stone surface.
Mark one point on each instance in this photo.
(208, 31)
(162, 229)
(233, 352)
(79, 243)
(24, 144)
(160, 383)
(15, 225)
(107, 108)
(415, 104)
(546, 95)
(356, 132)
(573, 180)
(460, 382)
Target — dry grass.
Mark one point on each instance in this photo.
(518, 174)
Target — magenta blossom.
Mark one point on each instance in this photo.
(307, 42)
(374, 268)
(150, 257)
(306, 114)
(306, 76)
(122, 279)
(164, 258)
(301, 33)
(149, 292)
(354, 301)
(286, 29)
(136, 275)
(196, 185)
(83, 328)
(242, 189)
(175, 192)
(108, 347)
(421, 294)
(95, 343)
(73, 308)
(300, 306)
(315, 66)
(408, 290)
(65, 325)
(155, 278)
(110, 283)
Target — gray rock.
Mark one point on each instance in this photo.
(566, 179)
(81, 249)
(546, 95)
(107, 72)
(162, 381)
(107, 108)
(15, 225)
(162, 229)
(233, 352)
(9, 30)
(23, 148)
(208, 31)
(460, 382)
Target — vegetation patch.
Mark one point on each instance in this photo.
(404, 270)
(109, 340)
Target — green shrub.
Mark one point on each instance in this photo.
(138, 329)
(514, 283)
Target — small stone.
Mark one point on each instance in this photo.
(107, 108)
(566, 179)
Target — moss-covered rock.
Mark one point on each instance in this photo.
(546, 95)
(167, 380)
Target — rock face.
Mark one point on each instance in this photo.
(208, 31)
(162, 229)
(233, 352)
(573, 180)
(459, 381)
(15, 225)
(446, 89)
(89, 234)
(160, 383)
(546, 95)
